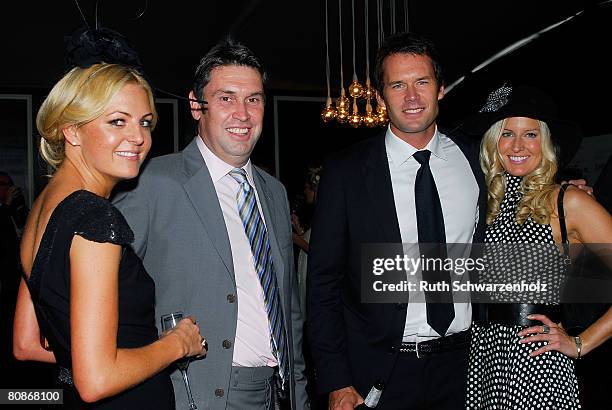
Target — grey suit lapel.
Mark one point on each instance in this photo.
(272, 224)
(201, 192)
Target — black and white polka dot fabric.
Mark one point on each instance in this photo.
(522, 253)
(501, 373)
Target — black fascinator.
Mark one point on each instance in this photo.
(86, 47)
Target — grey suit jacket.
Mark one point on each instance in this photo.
(181, 236)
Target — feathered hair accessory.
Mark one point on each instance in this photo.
(86, 47)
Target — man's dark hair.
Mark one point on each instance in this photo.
(406, 43)
(227, 52)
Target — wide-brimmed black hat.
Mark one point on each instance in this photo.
(526, 101)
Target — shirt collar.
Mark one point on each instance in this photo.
(219, 168)
(400, 151)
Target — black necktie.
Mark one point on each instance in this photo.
(432, 244)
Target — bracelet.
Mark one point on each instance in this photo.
(578, 341)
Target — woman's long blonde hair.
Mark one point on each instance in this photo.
(537, 187)
(79, 97)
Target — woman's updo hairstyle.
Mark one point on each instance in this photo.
(99, 63)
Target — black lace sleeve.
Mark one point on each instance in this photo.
(99, 221)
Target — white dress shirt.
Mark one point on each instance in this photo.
(458, 191)
(252, 344)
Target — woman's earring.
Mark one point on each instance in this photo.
(74, 141)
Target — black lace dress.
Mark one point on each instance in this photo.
(501, 373)
(94, 218)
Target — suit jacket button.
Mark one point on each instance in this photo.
(226, 344)
(392, 349)
(231, 298)
(219, 392)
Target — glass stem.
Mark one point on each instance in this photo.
(192, 405)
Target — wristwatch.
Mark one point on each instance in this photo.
(578, 341)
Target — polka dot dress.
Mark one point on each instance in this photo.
(501, 373)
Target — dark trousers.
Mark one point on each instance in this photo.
(435, 382)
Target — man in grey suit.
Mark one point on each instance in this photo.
(211, 228)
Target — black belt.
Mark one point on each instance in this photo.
(455, 341)
(512, 314)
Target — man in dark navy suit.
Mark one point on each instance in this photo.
(367, 195)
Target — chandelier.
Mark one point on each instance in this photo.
(345, 111)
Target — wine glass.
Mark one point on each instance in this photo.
(168, 322)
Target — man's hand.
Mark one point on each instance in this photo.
(581, 184)
(346, 398)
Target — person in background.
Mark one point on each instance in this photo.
(301, 220)
(86, 302)
(13, 202)
(13, 215)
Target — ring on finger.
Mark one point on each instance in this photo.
(545, 329)
(203, 342)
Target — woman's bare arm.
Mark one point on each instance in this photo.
(100, 369)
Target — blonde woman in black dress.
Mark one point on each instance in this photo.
(521, 357)
(86, 292)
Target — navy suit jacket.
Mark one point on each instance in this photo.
(353, 343)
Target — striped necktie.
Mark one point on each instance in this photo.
(260, 246)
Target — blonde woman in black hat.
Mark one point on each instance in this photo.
(521, 357)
